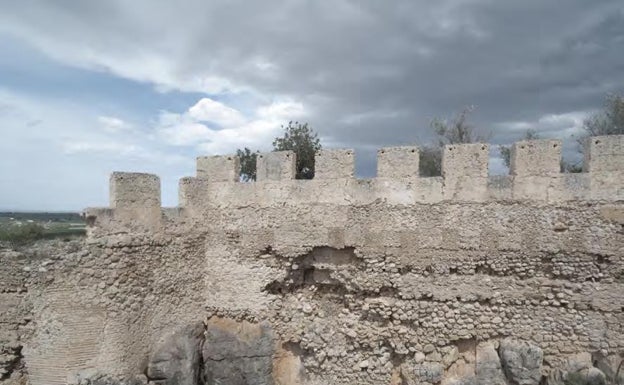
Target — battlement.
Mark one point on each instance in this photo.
(534, 176)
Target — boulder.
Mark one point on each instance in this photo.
(488, 369)
(238, 353)
(578, 370)
(177, 359)
(522, 362)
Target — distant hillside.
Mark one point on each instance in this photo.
(42, 216)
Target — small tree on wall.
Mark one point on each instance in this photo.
(609, 121)
(299, 138)
(455, 131)
(304, 142)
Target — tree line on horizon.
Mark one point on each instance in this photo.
(304, 141)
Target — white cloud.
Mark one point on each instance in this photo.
(185, 133)
(236, 130)
(69, 155)
(281, 110)
(113, 125)
(208, 110)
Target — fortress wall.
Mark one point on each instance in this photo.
(379, 281)
(421, 275)
(98, 306)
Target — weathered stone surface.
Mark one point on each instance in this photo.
(238, 353)
(609, 365)
(287, 366)
(176, 360)
(460, 373)
(488, 368)
(95, 377)
(522, 362)
(578, 362)
(423, 373)
(596, 377)
(578, 370)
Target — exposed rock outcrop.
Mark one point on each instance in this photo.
(238, 353)
(489, 370)
(522, 362)
(177, 360)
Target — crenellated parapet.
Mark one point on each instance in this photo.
(534, 176)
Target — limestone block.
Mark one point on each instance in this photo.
(398, 162)
(429, 190)
(334, 164)
(604, 153)
(465, 171)
(488, 369)
(535, 167)
(465, 160)
(192, 191)
(134, 190)
(238, 353)
(607, 185)
(533, 187)
(604, 160)
(535, 158)
(176, 361)
(277, 165)
(135, 199)
(219, 168)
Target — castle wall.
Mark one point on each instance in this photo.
(361, 281)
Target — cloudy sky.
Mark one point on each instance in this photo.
(88, 87)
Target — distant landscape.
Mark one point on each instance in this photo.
(23, 227)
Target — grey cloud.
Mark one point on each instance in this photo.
(515, 61)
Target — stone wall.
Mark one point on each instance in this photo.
(459, 279)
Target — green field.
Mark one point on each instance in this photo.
(19, 228)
